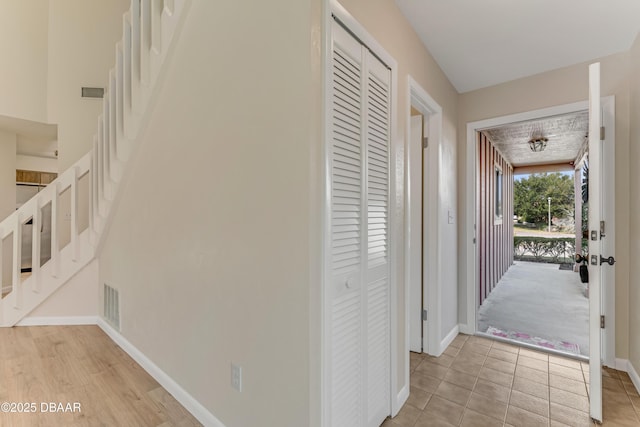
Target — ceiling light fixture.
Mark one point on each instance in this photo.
(538, 144)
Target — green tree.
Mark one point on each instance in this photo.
(531, 193)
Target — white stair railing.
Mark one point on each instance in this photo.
(149, 28)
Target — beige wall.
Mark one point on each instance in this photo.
(234, 241)
(82, 38)
(8, 143)
(634, 185)
(23, 48)
(210, 244)
(549, 89)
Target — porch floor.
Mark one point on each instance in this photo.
(539, 300)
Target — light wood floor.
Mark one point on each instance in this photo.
(69, 364)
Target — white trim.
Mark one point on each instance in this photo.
(180, 394)
(58, 321)
(635, 378)
(465, 329)
(334, 8)
(402, 397)
(470, 229)
(528, 115)
(358, 30)
(395, 186)
(449, 339)
(413, 250)
(419, 99)
(622, 365)
(325, 308)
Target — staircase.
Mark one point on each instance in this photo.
(149, 27)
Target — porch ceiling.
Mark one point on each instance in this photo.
(566, 134)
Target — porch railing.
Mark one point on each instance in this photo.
(555, 250)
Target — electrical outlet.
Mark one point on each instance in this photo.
(236, 377)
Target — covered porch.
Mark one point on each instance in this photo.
(539, 304)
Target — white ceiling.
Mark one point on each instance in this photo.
(480, 43)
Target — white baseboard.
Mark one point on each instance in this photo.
(58, 321)
(449, 339)
(464, 328)
(621, 365)
(401, 399)
(185, 399)
(635, 379)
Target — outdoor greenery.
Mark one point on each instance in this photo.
(531, 194)
(544, 249)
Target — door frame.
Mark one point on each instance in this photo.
(471, 296)
(424, 192)
(396, 167)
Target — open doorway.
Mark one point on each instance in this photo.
(601, 225)
(574, 168)
(528, 291)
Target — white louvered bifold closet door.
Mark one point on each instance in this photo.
(358, 270)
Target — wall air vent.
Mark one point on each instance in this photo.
(112, 306)
(93, 92)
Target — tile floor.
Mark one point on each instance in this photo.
(480, 382)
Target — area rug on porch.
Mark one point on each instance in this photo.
(559, 345)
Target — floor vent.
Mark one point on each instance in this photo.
(112, 306)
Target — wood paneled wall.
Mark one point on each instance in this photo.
(495, 237)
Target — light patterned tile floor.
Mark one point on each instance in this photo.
(478, 382)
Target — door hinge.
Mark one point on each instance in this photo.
(601, 133)
(425, 142)
(424, 315)
(602, 229)
(601, 322)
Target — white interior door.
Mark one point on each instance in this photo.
(425, 265)
(415, 236)
(357, 287)
(595, 243)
